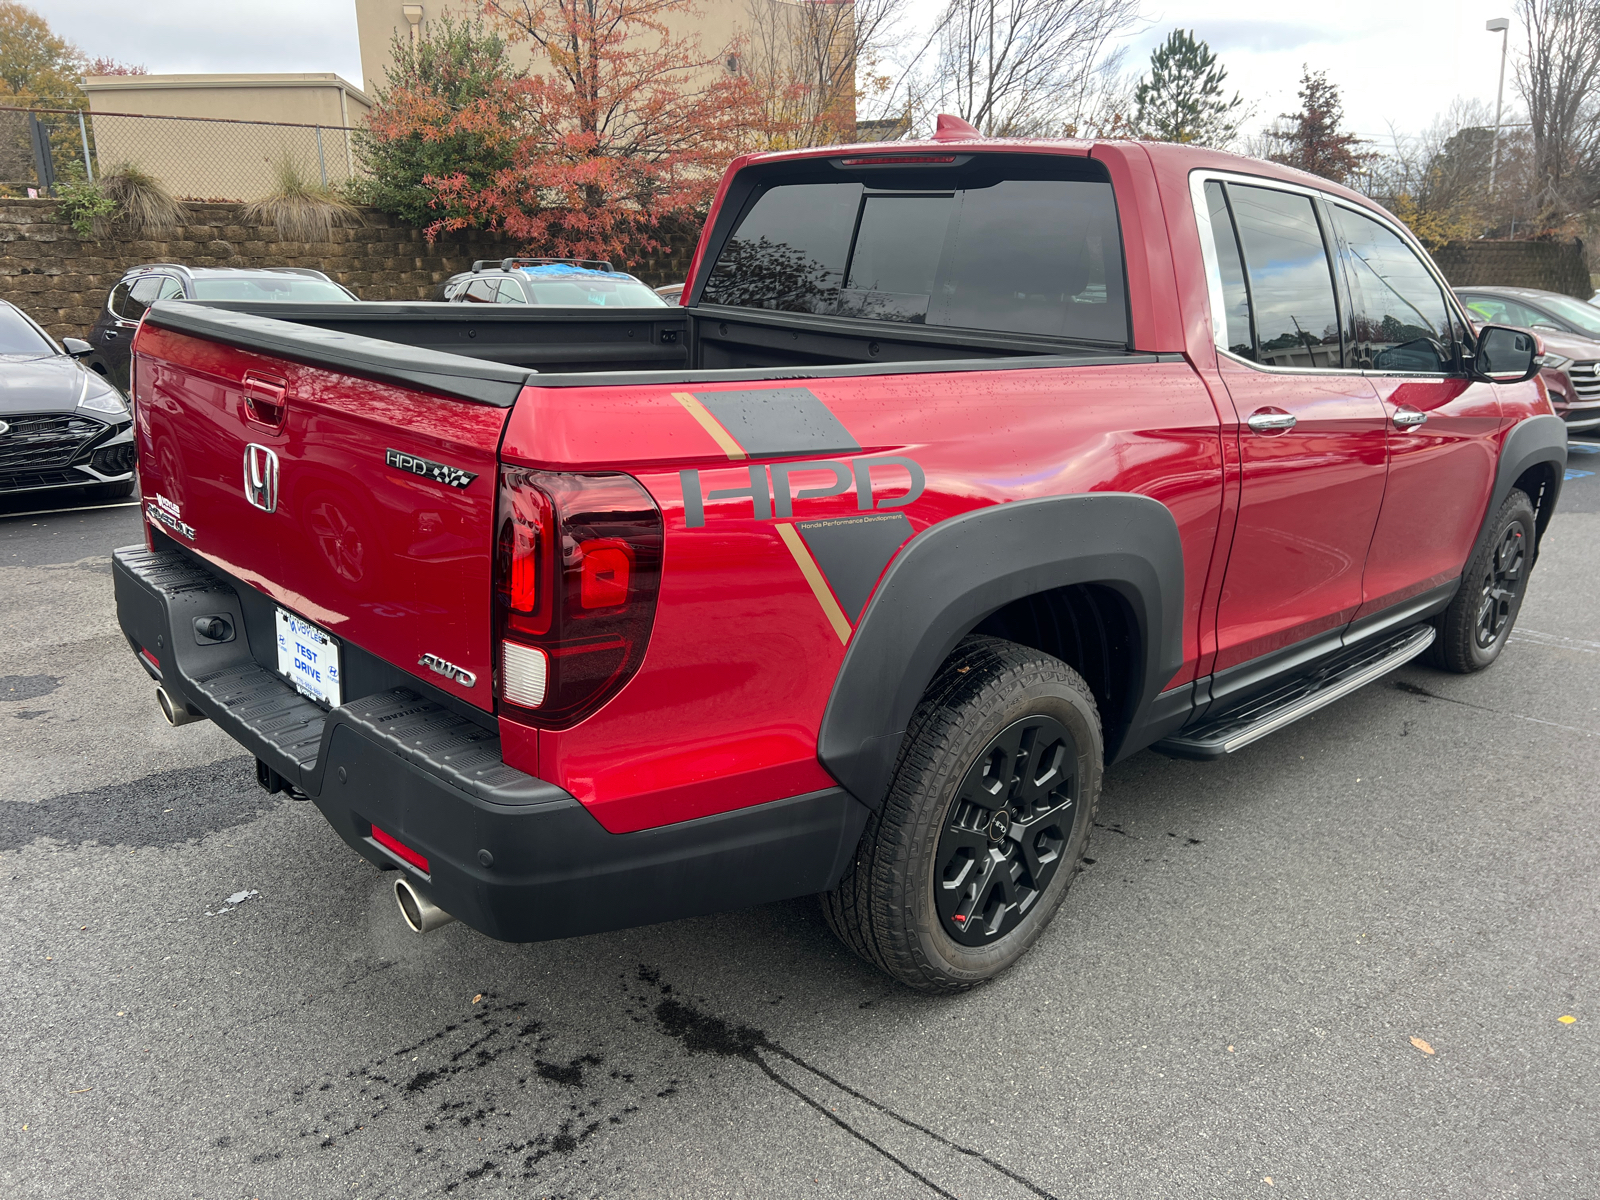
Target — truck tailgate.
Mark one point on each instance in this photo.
(365, 506)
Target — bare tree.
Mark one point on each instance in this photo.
(1559, 79)
(1019, 68)
(814, 61)
(1437, 182)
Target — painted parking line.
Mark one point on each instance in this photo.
(1571, 474)
(50, 512)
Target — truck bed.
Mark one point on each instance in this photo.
(485, 352)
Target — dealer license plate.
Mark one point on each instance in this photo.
(308, 656)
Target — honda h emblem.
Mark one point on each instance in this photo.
(261, 477)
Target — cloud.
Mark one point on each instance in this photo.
(1260, 37)
(202, 36)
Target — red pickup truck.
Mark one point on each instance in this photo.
(966, 469)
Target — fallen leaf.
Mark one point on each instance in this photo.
(1422, 1045)
(1230, 1049)
(76, 1091)
(1567, 1020)
(82, 927)
(1267, 1179)
(478, 997)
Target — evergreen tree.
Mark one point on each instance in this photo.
(1313, 140)
(1182, 99)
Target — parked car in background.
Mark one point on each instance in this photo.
(672, 293)
(568, 282)
(111, 335)
(1570, 330)
(61, 425)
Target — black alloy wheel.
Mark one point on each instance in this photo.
(1500, 590)
(1006, 829)
(985, 822)
(1474, 629)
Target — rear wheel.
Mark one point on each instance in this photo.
(1474, 629)
(985, 823)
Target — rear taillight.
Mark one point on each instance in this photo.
(577, 568)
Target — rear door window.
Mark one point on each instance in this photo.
(1233, 297)
(1029, 255)
(140, 297)
(1290, 276)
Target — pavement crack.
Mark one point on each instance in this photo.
(702, 1033)
(1412, 689)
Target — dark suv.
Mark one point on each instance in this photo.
(567, 282)
(112, 334)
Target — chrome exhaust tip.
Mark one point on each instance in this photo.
(420, 914)
(175, 713)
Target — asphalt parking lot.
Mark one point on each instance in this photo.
(1339, 963)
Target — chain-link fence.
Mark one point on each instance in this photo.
(195, 158)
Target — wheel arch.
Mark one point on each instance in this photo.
(1533, 457)
(1005, 559)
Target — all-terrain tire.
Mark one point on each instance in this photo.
(965, 732)
(1474, 629)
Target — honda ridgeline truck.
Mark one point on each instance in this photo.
(966, 469)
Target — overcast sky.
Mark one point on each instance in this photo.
(1398, 63)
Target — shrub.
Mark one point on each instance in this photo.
(142, 202)
(301, 211)
(84, 205)
(449, 107)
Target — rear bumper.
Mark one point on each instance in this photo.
(511, 855)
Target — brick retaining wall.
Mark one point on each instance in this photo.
(61, 280)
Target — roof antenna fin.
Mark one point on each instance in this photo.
(953, 129)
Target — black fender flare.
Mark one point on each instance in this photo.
(1531, 441)
(954, 574)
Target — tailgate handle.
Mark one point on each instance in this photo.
(264, 398)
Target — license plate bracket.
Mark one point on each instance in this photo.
(308, 657)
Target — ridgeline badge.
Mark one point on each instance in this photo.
(438, 472)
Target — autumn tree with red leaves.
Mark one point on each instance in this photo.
(620, 127)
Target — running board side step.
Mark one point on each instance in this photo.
(1335, 676)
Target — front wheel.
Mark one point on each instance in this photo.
(1474, 629)
(985, 823)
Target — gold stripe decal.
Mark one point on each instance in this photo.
(710, 424)
(819, 585)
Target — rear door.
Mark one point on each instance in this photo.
(380, 523)
(1442, 426)
(1311, 431)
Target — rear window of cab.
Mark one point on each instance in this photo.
(1002, 243)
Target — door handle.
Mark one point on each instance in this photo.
(1271, 420)
(1406, 417)
(264, 398)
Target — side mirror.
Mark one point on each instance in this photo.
(1506, 355)
(76, 347)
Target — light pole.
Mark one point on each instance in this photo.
(1501, 26)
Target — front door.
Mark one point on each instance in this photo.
(1443, 427)
(1311, 430)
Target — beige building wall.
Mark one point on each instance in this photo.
(716, 25)
(220, 158)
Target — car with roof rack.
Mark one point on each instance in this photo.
(967, 469)
(561, 282)
(141, 286)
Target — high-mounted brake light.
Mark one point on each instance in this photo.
(889, 160)
(577, 568)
